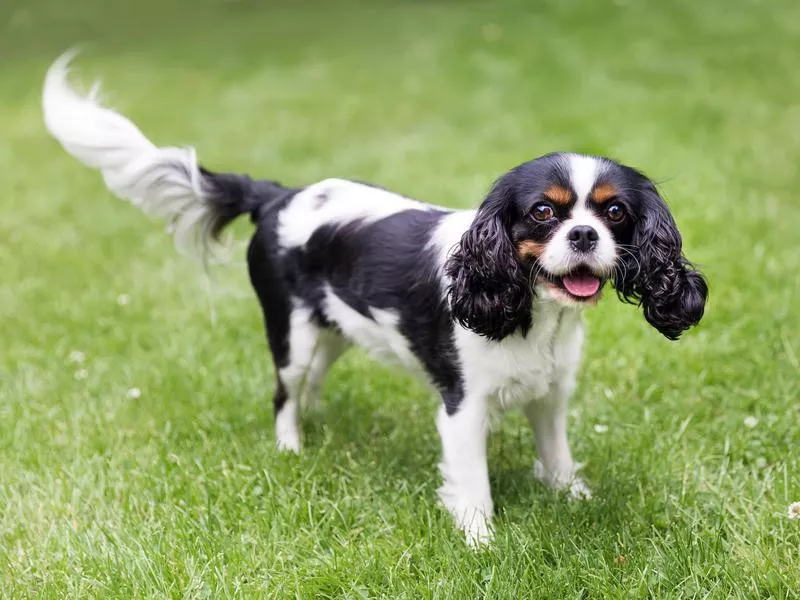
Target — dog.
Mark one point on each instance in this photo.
(486, 305)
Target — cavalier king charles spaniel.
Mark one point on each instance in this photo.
(484, 304)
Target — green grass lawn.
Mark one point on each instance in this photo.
(180, 493)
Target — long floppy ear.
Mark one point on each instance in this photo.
(656, 275)
(489, 290)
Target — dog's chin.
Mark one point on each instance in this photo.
(582, 286)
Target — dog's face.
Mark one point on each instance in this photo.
(574, 219)
(561, 226)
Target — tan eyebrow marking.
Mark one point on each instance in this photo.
(603, 193)
(529, 248)
(558, 194)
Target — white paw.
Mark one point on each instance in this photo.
(288, 443)
(475, 520)
(540, 474)
(477, 529)
(287, 430)
(569, 481)
(578, 490)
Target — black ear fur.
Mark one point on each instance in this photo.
(489, 290)
(656, 275)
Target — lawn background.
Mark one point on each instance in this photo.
(179, 492)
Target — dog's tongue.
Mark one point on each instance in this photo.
(581, 285)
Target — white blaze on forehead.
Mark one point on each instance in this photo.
(583, 173)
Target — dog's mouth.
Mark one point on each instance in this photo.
(581, 284)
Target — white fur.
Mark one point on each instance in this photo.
(287, 426)
(517, 369)
(379, 335)
(447, 234)
(583, 173)
(165, 182)
(336, 202)
(329, 346)
(304, 342)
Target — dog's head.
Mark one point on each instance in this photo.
(561, 226)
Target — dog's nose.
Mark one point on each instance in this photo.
(583, 238)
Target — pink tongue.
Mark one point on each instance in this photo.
(583, 285)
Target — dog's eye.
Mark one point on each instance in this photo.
(615, 212)
(543, 212)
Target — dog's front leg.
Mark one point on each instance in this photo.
(555, 467)
(462, 425)
(548, 415)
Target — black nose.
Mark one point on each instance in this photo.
(583, 238)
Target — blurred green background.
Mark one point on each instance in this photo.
(177, 491)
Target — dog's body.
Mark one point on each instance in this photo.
(486, 304)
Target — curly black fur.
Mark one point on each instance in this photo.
(489, 290)
(667, 286)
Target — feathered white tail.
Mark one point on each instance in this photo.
(165, 182)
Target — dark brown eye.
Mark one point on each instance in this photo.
(542, 212)
(615, 212)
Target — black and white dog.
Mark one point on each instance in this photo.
(485, 305)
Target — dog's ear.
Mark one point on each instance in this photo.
(656, 275)
(489, 290)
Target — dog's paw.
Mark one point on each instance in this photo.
(477, 527)
(287, 429)
(475, 520)
(569, 481)
(540, 474)
(578, 490)
(288, 443)
(478, 531)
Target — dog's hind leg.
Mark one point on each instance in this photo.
(312, 350)
(330, 346)
(302, 347)
(292, 336)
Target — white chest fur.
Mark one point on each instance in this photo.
(519, 370)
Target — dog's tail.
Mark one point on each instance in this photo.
(166, 182)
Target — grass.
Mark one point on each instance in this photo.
(179, 493)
